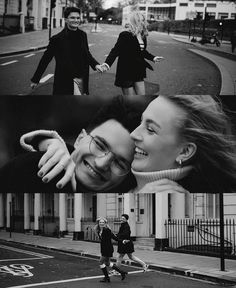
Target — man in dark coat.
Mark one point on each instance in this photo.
(72, 56)
(125, 244)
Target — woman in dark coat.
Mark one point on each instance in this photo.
(130, 49)
(105, 235)
(125, 244)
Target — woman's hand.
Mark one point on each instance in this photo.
(56, 159)
(125, 241)
(158, 59)
(162, 186)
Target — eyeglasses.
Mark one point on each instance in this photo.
(99, 148)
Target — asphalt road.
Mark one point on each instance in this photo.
(182, 72)
(24, 266)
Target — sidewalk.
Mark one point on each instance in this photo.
(195, 266)
(36, 40)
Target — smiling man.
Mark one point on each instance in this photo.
(73, 58)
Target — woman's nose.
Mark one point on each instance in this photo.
(136, 135)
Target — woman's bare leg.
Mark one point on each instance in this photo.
(128, 91)
(139, 88)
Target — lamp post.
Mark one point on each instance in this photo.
(221, 30)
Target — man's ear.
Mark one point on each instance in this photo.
(187, 152)
(81, 135)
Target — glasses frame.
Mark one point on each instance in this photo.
(106, 153)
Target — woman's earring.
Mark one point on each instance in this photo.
(180, 162)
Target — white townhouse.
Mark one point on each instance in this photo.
(183, 9)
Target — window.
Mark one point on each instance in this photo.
(120, 205)
(183, 4)
(199, 4)
(211, 5)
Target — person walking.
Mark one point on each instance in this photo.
(130, 49)
(125, 244)
(73, 58)
(105, 235)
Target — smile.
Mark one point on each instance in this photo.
(140, 152)
(93, 172)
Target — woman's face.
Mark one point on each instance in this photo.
(102, 223)
(157, 140)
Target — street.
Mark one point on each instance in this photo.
(181, 72)
(25, 266)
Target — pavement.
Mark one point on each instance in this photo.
(221, 56)
(194, 266)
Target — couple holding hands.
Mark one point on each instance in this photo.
(73, 58)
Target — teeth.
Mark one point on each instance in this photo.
(140, 151)
(91, 169)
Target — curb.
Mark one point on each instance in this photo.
(167, 269)
(22, 51)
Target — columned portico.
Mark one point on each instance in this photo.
(78, 233)
(26, 212)
(62, 214)
(129, 208)
(37, 202)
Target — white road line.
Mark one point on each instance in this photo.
(25, 252)
(46, 78)
(29, 55)
(65, 281)
(8, 63)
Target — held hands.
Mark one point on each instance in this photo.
(56, 159)
(162, 186)
(158, 59)
(125, 241)
(102, 67)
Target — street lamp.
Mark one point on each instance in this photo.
(221, 30)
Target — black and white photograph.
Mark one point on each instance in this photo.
(117, 143)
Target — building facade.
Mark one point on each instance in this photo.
(184, 9)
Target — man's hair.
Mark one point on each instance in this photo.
(69, 10)
(126, 216)
(124, 110)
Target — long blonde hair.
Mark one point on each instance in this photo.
(97, 227)
(137, 24)
(208, 126)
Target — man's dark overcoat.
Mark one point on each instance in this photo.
(124, 234)
(59, 47)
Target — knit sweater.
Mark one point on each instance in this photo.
(176, 174)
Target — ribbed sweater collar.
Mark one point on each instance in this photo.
(172, 174)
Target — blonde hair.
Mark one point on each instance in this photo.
(137, 24)
(206, 124)
(97, 227)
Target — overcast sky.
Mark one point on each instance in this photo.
(110, 3)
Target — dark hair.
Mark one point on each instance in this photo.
(69, 10)
(126, 216)
(127, 111)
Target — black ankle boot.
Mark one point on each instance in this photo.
(105, 279)
(122, 273)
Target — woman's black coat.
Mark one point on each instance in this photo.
(131, 63)
(124, 234)
(59, 47)
(106, 244)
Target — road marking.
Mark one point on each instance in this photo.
(46, 78)
(65, 281)
(8, 63)
(38, 255)
(17, 270)
(29, 55)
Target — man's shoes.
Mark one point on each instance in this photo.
(145, 268)
(105, 279)
(113, 272)
(123, 275)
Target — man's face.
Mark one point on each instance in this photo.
(73, 20)
(95, 173)
(123, 219)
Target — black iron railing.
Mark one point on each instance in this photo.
(201, 236)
